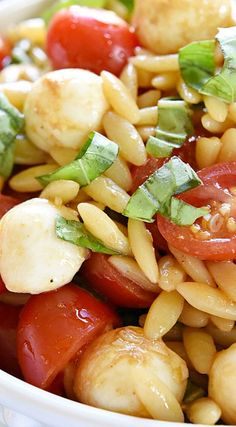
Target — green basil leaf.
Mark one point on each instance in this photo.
(197, 63)
(182, 213)
(174, 125)
(155, 194)
(96, 156)
(129, 4)
(223, 85)
(75, 232)
(63, 4)
(159, 148)
(11, 123)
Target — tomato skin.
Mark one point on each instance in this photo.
(5, 52)
(215, 178)
(54, 326)
(107, 280)
(141, 173)
(80, 37)
(2, 286)
(6, 203)
(9, 317)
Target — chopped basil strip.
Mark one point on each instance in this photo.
(129, 4)
(197, 66)
(174, 125)
(197, 63)
(223, 85)
(159, 148)
(193, 392)
(11, 122)
(155, 194)
(75, 232)
(63, 4)
(182, 213)
(96, 156)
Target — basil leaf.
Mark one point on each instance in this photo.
(96, 156)
(129, 4)
(223, 85)
(75, 232)
(182, 213)
(11, 122)
(197, 63)
(174, 125)
(159, 148)
(155, 194)
(198, 68)
(63, 4)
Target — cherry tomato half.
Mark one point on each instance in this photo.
(9, 317)
(5, 52)
(93, 39)
(219, 243)
(108, 281)
(54, 326)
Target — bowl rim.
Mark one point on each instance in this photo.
(13, 393)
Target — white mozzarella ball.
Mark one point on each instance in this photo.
(106, 371)
(188, 20)
(32, 258)
(63, 107)
(222, 383)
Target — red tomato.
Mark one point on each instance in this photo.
(54, 326)
(107, 280)
(9, 317)
(2, 286)
(6, 203)
(141, 173)
(93, 39)
(5, 52)
(159, 242)
(220, 244)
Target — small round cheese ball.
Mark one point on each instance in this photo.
(106, 370)
(222, 383)
(63, 107)
(164, 26)
(32, 258)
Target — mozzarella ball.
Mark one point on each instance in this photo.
(32, 258)
(164, 26)
(222, 383)
(105, 374)
(63, 107)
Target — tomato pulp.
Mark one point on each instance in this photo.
(213, 237)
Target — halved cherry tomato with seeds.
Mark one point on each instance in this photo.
(212, 238)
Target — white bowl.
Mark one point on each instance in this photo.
(23, 405)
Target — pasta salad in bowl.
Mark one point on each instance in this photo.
(117, 220)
